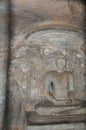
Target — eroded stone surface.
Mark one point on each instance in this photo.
(3, 57)
(59, 127)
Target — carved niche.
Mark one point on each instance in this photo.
(52, 82)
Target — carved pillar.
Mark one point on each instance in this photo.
(47, 70)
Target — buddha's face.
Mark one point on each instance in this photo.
(60, 64)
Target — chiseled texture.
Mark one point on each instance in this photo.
(47, 55)
(3, 57)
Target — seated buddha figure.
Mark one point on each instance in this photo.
(59, 85)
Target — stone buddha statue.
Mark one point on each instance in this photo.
(60, 87)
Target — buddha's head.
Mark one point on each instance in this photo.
(60, 64)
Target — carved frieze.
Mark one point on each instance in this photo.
(49, 73)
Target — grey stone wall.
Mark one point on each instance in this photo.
(3, 56)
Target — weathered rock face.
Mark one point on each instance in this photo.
(46, 81)
(3, 56)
